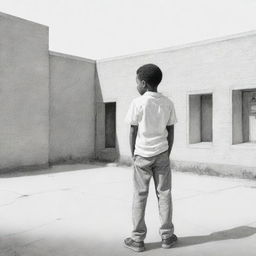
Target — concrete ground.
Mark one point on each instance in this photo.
(75, 210)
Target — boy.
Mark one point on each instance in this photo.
(152, 118)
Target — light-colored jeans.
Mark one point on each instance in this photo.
(157, 167)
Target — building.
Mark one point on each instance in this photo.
(57, 107)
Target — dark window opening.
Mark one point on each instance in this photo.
(244, 116)
(110, 125)
(200, 118)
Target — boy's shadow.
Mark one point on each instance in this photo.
(234, 233)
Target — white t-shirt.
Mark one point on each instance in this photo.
(151, 112)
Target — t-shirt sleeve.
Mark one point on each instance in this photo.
(132, 116)
(173, 118)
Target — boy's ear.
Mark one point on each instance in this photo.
(144, 83)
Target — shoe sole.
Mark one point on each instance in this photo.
(134, 249)
(165, 246)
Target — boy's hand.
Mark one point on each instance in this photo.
(170, 137)
(132, 137)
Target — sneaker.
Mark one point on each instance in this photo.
(169, 242)
(133, 245)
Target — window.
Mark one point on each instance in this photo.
(110, 125)
(244, 116)
(200, 118)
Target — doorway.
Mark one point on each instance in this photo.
(110, 125)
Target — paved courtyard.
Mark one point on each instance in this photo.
(74, 210)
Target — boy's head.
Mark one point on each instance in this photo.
(148, 77)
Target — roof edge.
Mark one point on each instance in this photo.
(10, 16)
(64, 55)
(182, 46)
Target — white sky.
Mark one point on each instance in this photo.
(106, 28)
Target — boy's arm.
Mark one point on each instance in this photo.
(132, 137)
(170, 137)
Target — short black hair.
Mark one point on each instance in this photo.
(150, 73)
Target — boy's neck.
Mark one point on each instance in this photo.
(151, 89)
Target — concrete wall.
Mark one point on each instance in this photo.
(60, 116)
(24, 93)
(72, 108)
(214, 67)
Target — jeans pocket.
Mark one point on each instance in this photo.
(136, 156)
